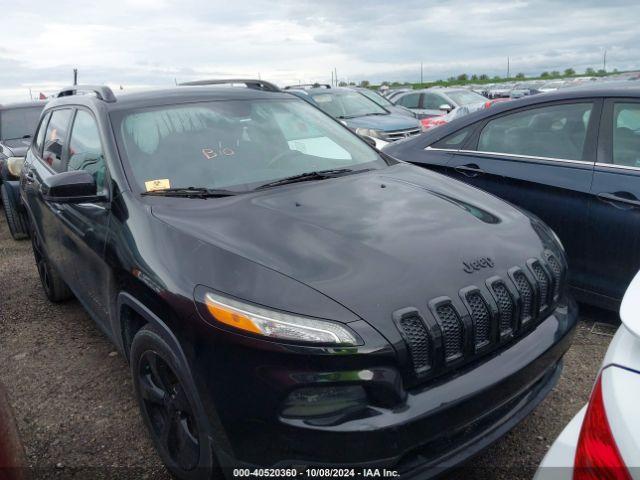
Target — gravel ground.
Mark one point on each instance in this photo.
(77, 415)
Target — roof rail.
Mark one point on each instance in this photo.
(250, 83)
(102, 92)
(307, 85)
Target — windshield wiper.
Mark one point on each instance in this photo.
(309, 176)
(191, 192)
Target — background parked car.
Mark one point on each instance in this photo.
(384, 102)
(363, 116)
(17, 124)
(436, 101)
(544, 153)
(603, 439)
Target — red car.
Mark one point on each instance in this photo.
(12, 460)
(432, 122)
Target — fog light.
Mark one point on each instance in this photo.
(324, 401)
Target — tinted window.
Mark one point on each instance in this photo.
(55, 138)
(347, 104)
(411, 100)
(19, 122)
(42, 129)
(466, 97)
(558, 131)
(235, 144)
(626, 134)
(454, 140)
(433, 101)
(85, 148)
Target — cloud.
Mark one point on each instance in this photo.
(153, 42)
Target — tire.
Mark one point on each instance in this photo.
(171, 408)
(53, 285)
(17, 221)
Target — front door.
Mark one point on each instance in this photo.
(614, 236)
(85, 225)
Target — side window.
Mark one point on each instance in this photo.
(39, 140)
(454, 140)
(85, 148)
(626, 134)
(412, 100)
(557, 131)
(433, 101)
(55, 138)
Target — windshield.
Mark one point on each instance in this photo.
(347, 104)
(235, 145)
(18, 122)
(465, 97)
(376, 97)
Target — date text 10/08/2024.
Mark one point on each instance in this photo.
(315, 473)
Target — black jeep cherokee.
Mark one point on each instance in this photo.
(18, 121)
(286, 294)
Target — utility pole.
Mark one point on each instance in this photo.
(75, 76)
(421, 76)
(604, 60)
(30, 94)
(336, 75)
(508, 68)
(331, 77)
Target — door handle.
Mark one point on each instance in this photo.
(470, 170)
(617, 198)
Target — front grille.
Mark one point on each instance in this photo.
(543, 282)
(400, 134)
(556, 269)
(526, 295)
(452, 334)
(506, 307)
(417, 338)
(480, 317)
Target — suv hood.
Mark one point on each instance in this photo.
(385, 123)
(15, 148)
(374, 242)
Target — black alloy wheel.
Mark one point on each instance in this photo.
(170, 414)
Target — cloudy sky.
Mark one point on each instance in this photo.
(137, 43)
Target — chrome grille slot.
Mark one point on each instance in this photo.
(400, 134)
(415, 334)
(481, 318)
(452, 333)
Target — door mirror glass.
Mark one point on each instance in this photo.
(445, 107)
(71, 187)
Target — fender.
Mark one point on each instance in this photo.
(222, 447)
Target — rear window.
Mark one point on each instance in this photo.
(19, 122)
(466, 97)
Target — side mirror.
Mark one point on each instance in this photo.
(445, 107)
(77, 186)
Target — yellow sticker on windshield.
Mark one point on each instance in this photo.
(161, 184)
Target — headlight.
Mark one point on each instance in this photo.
(14, 165)
(369, 132)
(274, 324)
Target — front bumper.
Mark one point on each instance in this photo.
(434, 427)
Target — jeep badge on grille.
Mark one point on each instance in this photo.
(477, 264)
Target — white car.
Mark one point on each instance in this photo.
(603, 440)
